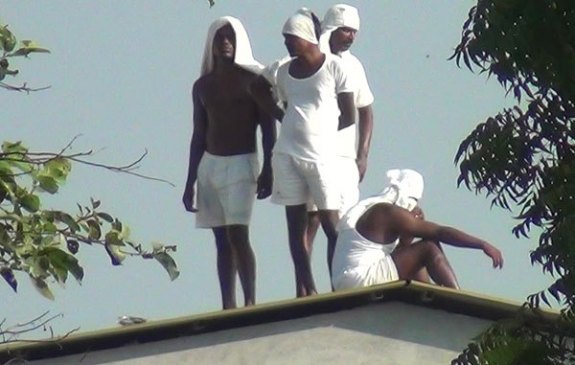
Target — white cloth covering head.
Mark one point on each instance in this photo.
(338, 16)
(243, 49)
(404, 188)
(301, 25)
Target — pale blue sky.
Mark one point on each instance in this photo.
(121, 74)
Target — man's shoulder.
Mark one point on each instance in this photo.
(247, 74)
(201, 83)
(350, 57)
(351, 61)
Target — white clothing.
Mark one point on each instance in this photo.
(346, 138)
(301, 25)
(348, 182)
(270, 73)
(295, 180)
(243, 49)
(310, 124)
(359, 262)
(338, 16)
(226, 189)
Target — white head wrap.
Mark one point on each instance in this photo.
(243, 49)
(404, 188)
(301, 25)
(340, 15)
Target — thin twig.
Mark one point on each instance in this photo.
(50, 340)
(24, 87)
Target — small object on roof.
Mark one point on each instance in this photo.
(130, 320)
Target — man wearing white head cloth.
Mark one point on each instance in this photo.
(339, 28)
(369, 232)
(223, 155)
(319, 98)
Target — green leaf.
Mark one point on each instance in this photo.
(39, 265)
(105, 216)
(42, 287)
(95, 203)
(30, 202)
(47, 183)
(28, 47)
(113, 247)
(13, 147)
(49, 228)
(168, 263)
(66, 219)
(57, 168)
(7, 39)
(62, 260)
(94, 231)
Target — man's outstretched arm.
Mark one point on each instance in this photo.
(409, 225)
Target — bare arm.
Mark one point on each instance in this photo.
(407, 224)
(197, 148)
(346, 106)
(261, 91)
(364, 139)
(268, 130)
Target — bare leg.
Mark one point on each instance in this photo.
(226, 268)
(313, 223)
(426, 254)
(296, 216)
(238, 236)
(422, 276)
(329, 220)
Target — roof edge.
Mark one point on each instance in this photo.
(427, 295)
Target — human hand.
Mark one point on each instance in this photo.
(495, 255)
(264, 185)
(188, 199)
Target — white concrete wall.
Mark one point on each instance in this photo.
(386, 333)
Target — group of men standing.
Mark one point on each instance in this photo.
(313, 168)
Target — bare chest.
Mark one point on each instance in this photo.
(226, 95)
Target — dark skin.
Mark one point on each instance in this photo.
(340, 41)
(308, 60)
(405, 241)
(384, 223)
(225, 120)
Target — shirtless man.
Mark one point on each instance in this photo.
(365, 252)
(339, 28)
(223, 154)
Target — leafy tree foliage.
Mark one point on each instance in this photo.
(524, 157)
(42, 243)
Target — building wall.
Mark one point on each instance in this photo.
(380, 333)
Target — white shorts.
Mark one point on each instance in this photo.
(226, 189)
(349, 185)
(358, 262)
(295, 180)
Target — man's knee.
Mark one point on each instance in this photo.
(329, 219)
(238, 235)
